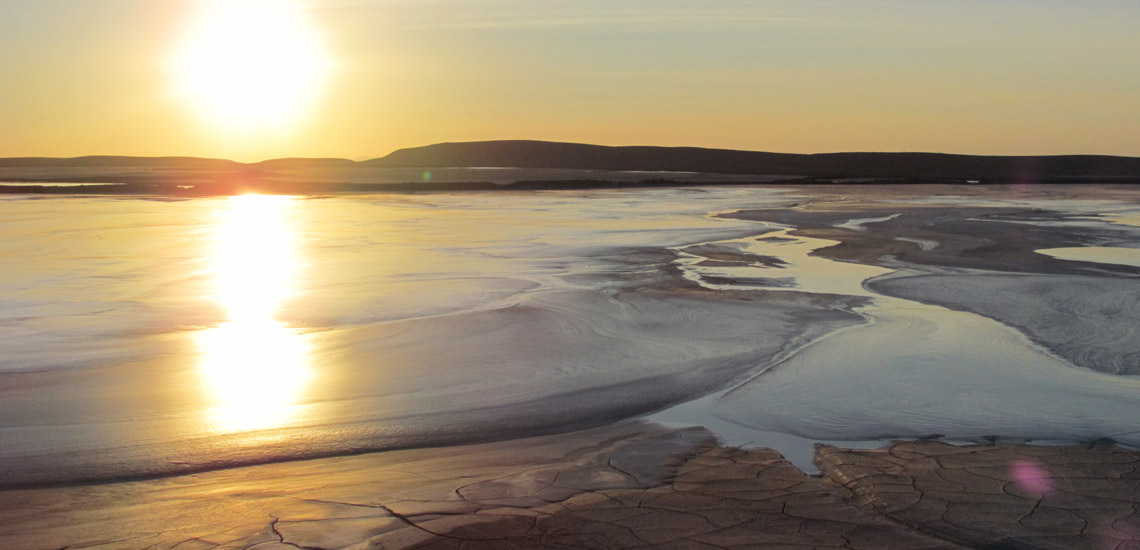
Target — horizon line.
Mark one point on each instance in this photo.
(699, 147)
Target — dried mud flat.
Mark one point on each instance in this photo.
(633, 485)
(998, 496)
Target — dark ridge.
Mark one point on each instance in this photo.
(544, 154)
(163, 174)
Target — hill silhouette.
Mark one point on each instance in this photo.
(544, 154)
(599, 166)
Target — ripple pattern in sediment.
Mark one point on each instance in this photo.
(920, 371)
(1090, 321)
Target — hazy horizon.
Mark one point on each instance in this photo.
(693, 146)
(258, 80)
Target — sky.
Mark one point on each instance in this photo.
(361, 78)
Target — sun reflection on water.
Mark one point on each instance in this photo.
(255, 368)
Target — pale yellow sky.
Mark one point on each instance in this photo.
(1012, 77)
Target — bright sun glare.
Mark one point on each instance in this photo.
(248, 65)
(255, 368)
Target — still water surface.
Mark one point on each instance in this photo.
(142, 335)
(147, 337)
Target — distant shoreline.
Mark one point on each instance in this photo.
(539, 165)
(71, 186)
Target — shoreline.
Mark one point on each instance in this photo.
(69, 187)
(627, 485)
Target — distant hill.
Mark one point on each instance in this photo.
(544, 154)
(708, 166)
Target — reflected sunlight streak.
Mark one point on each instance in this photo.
(255, 368)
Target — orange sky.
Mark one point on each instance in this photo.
(358, 78)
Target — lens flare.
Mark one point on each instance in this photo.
(1031, 476)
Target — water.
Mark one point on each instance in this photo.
(150, 337)
(1097, 254)
(913, 370)
(144, 337)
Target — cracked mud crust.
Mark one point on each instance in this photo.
(720, 498)
(633, 485)
(998, 496)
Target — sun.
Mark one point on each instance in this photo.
(249, 65)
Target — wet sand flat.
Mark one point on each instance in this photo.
(633, 485)
(807, 316)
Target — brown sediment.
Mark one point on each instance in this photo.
(991, 496)
(722, 497)
(728, 256)
(1033, 292)
(626, 486)
(901, 193)
(401, 496)
(990, 238)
